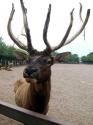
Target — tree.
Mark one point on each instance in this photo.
(88, 58)
(73, 58)
(8, 52)
(3, 47)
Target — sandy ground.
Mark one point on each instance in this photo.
(71, 95)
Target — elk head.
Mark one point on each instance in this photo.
(40, 62)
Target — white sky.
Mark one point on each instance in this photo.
(37, 10)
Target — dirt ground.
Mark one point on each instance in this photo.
(71, 94)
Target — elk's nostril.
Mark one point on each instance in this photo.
(33, 70)
(30, 71)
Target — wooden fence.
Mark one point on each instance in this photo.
(27, 117)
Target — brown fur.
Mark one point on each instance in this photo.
(34, 96)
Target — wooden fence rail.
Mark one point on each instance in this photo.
(25, 116)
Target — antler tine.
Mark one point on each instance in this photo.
(80, 12)
(81, 28)
(46, 28)
(67, 32)
(27, 30)
(16, 41)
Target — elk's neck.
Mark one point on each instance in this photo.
(41, 87)
(40, 95)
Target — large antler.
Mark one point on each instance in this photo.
(63, 42)
(27, 30)
(81, 28)
(80, 15)
(29, 48)
(16, 41)
(46, 29)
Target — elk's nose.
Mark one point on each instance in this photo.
(30, 71)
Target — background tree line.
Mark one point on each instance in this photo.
(9, 55)
(75, 59)
(12, 53)
(88, 58)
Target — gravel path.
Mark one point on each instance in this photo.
(71, 95)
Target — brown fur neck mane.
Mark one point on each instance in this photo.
(40, 95)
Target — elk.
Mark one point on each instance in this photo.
(33, 92)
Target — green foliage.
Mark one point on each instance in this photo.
(83, 58)
(8, 51)
(73, 58)
(88, 58)
(3, 47)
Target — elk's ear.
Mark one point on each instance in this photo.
(60, 57)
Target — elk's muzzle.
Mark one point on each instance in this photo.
(30, 72)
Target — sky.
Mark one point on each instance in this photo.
(59, 21)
